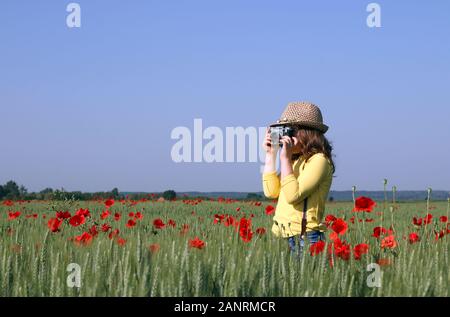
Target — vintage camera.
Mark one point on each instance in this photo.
(276, 133)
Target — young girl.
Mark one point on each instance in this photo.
(307, 170)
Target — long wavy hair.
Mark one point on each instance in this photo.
(312, 142)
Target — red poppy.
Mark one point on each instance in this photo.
(443, 219)
(317, 247)
(364, 204)
(428, 219)
(342, 249)
(105, 214)
(417, 221)
(63, 214)
(139, 216)
(359, 250)
(339, 226)
(77, 220)
(261, 231)
(270, 210)
(378, 231)
(369, 220)
(440, 235)
(13, 215)
(245, 230)
(218, 218)
(54, 224)
(131, 223)
(83, 212)
(171, 223)
(117, 216)
(131, 214)
(238, 208)
(158, 223)
(329, 219)
(413, 238)
(113, 233)
(229, 221)
(106, 227)
(83, 239)
(8, 203)
(388, 242)
(121, 241)
(109, 203)
(196, 243)
(154, 247)
(93, 230)
(352, 219)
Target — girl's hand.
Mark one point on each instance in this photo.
(286, 150)
(269, 148)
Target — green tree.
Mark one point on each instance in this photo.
(115, 192)
(169, 195)
(2, 192)
(12, 190)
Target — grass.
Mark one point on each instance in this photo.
(33, 260)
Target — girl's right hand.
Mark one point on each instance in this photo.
(267, 144)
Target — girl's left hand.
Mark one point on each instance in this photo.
(286, 149)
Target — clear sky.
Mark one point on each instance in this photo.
(93, 108)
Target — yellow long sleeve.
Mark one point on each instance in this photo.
(271, 185)
(297, 189)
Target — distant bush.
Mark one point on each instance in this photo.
(169, 195)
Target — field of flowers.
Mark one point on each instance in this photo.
(219, 248)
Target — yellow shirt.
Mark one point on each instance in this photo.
(311, 179)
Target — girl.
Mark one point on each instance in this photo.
(307, 170)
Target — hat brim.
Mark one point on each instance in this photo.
(317, 126)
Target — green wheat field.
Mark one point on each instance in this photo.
(197, 248)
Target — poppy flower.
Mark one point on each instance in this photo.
(417, 221)
(364, 204)
(121, 241)
(317, 247)
(229, 221)
(54, 224)
(378, 231)
(139, 216)
(171, 223)
(329, 219)
(117, 216)
(428, 219)
(113, 233)
(131, 214)
(440, 235)
(359, 250)
(238, 208)
(154, 247)
(339, 226)
(342, 249)
(352, 219)
(369, 220)
(83, 212)
(413, 238)
(83, 239)
(196, 243)
(106, 227)
(261, 231)
(8, 203)
(63, 215)
(13, 215)
(158, 223)
(443, 219)
(105, 214)
(109, 203)
(245, 231)
(77, 220)
(270, 210)
(388, 242)
(93, 230)
(131, 223)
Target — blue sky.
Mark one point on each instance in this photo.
(93, 108)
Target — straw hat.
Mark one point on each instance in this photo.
(304, 114)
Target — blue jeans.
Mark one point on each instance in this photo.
(297, 243)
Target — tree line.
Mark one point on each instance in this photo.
(12, 191)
